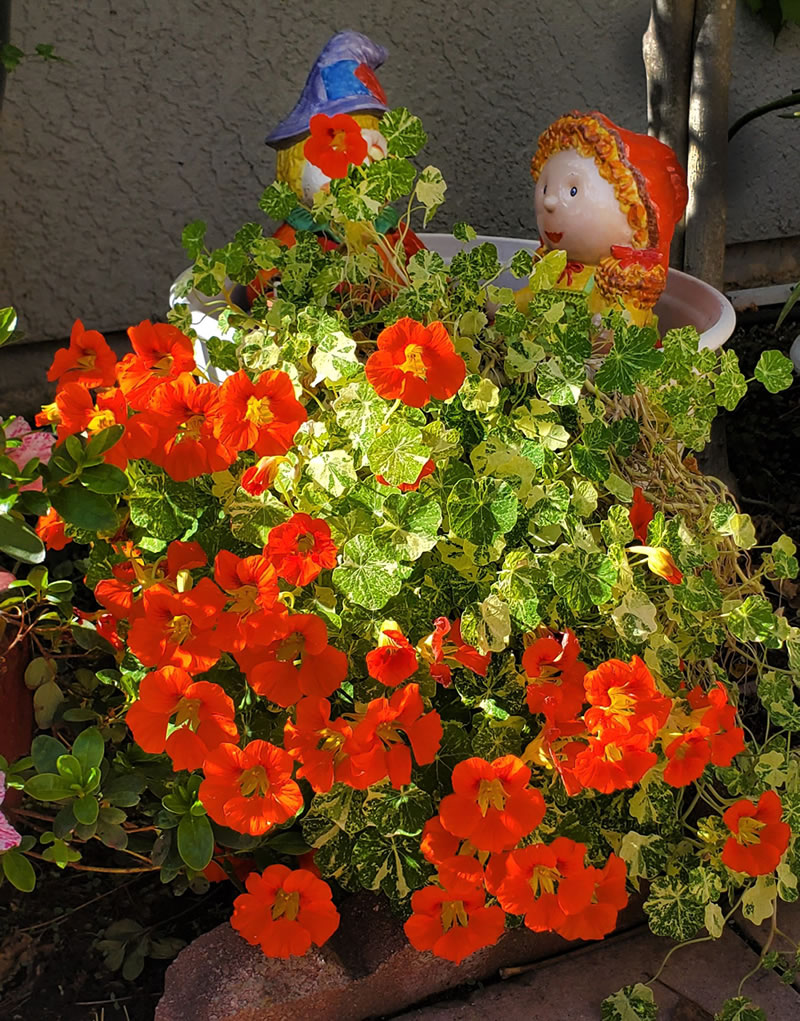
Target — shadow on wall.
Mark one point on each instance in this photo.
(160, 115)
(160, 118)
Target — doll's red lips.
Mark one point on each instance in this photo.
(554, 236)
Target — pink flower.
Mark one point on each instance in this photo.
(34, 444)
(8, 835)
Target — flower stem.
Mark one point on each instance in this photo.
(764, 950)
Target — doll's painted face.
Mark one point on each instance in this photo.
(577, 210)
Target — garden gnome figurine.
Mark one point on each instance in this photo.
(342, 81)
(610, 199)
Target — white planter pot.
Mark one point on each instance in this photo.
(686, 301)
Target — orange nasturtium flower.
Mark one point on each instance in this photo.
(712, 736)
(301, 548)
(249, 789)
(759, 836)
(687, 756)
(626, 712)
(203, 717)
(334, 143)
(660, 562)
(185, 629)
(261, 416)
(492, 805)
(318, 743)
(718, 716)
(186, 411)
(597, 918)
(445, 643)
(451, 919)
(624, 697)
(437, 844)
(556, 674)
(252, 585)
(259, 478)
(250, 581)
(378, 749)
(88, 360)
(394, 661)
(142, 434)
(641, 514)
(543, 882)
(298, 662)
(118, 593)
(50, 529)
(414, 363)
(284, 911)
(69, 412)
(616, 761)
(161, 353)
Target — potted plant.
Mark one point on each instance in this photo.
(418, 603)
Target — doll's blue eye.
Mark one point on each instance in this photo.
(573, 190)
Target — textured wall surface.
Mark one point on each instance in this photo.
(160, 114)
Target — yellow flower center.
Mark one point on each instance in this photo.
(330, 741)
(286, 905)
(291, 648)
(413, 361)
(453, 913)
(622, 703)
(339, 140)
(749, 830)
(188, 712)
(544, 880)
(612, 753)
(254, 781)
(51, 414)
(180, 628)
(305, 543)
(87, 360)
(245, 599)
(191, 428)
(101, 420)
(387, 732)
(491, 795)
(259, 411)
(163, 366)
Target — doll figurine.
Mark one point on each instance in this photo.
(342, 81)
(610, 199)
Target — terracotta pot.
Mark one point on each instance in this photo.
(367, 969)
(16, 702)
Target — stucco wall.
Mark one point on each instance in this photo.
(160, 114)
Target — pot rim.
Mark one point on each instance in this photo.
(714, 316)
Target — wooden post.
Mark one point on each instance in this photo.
(667, 51)
(706, 213)
(687, 51)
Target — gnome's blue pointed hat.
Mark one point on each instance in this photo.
(342, 80)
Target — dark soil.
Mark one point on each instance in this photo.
(764, 439)
(50, 967)
(764, 449)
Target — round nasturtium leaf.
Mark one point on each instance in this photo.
(481, 509)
